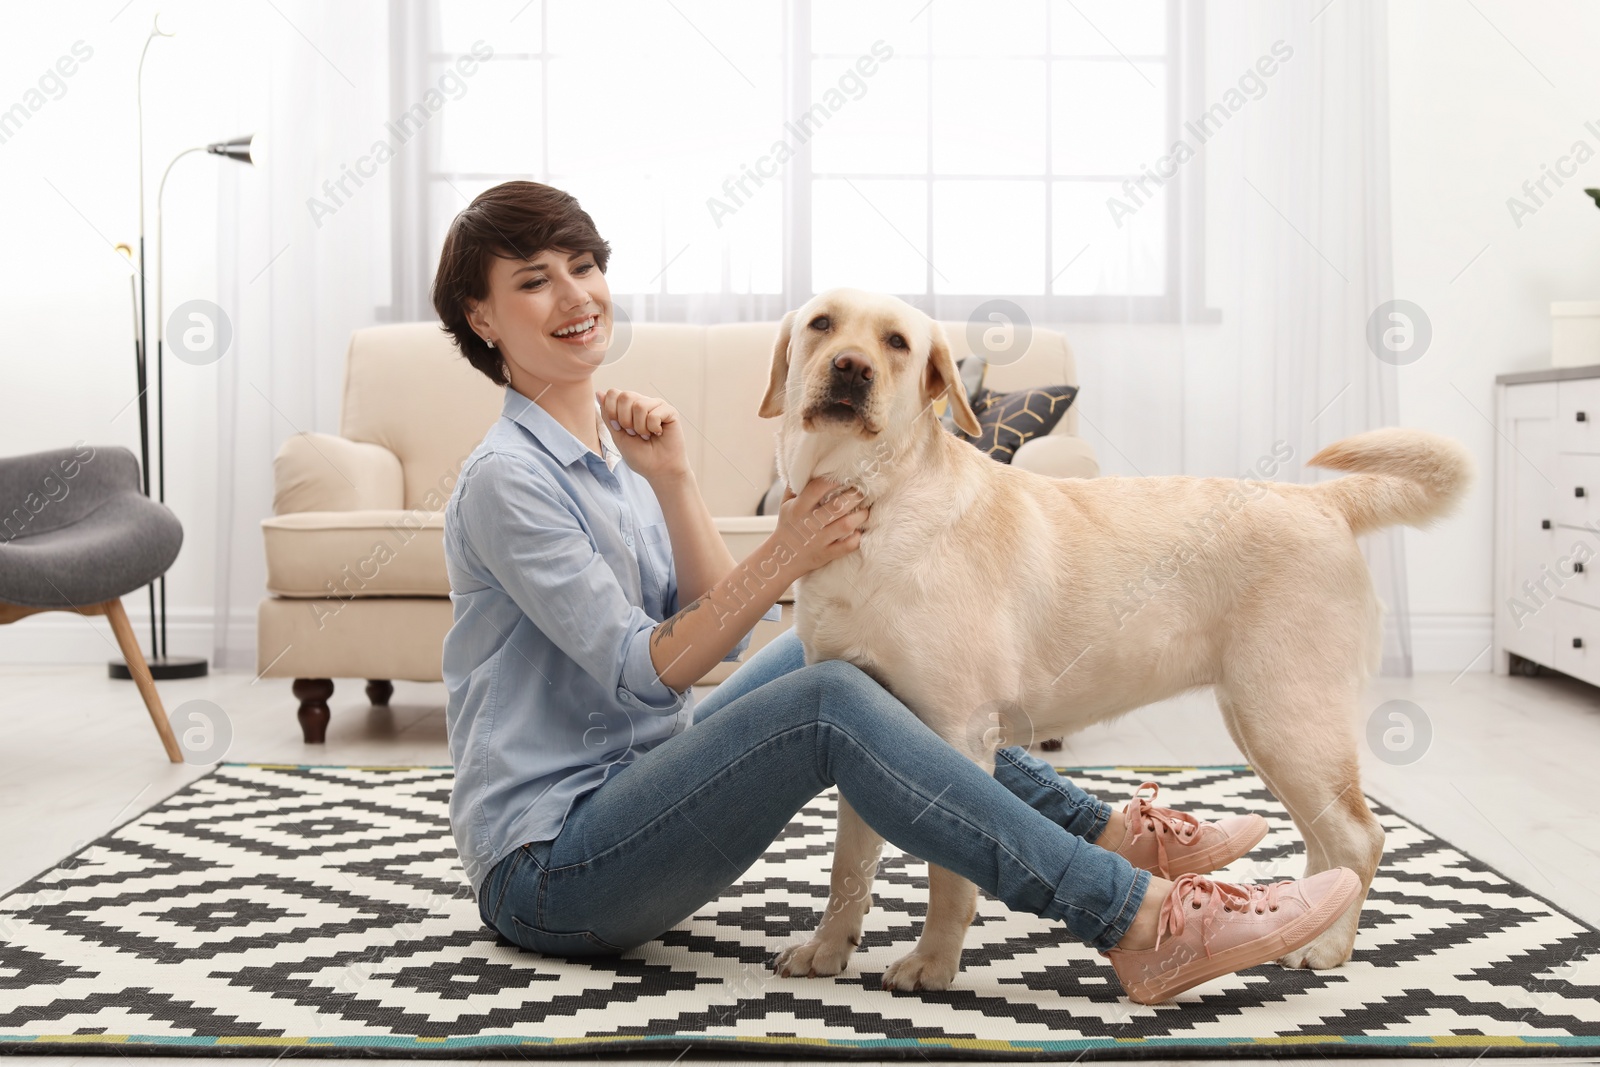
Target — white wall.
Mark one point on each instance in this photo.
(1471, 120)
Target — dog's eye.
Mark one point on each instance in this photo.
(821, 322)
(896, 341)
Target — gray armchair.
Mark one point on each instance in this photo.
(76, 534)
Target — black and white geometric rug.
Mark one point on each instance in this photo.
(268, 910)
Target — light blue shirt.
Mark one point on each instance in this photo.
(560, 566)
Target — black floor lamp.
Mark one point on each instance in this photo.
(162, 665)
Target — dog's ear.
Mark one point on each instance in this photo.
(778, 383)
(941, 376)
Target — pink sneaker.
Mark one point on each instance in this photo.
(1170, 843)
(1207, 929)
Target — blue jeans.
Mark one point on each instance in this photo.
(671, 830)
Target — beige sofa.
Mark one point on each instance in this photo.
(355, 558)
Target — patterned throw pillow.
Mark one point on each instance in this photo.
(1009, 420)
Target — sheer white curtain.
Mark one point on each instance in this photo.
(304, 259)
(1298, 252)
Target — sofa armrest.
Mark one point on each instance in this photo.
(1058, 456)
(322, 472)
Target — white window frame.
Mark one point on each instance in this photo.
(1182, 300)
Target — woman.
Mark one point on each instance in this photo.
(591, 588)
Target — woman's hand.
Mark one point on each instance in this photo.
(822, 523)
(648, 433)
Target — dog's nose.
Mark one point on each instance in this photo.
(851, 368)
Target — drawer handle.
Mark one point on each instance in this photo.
(1577, 568)
(1544, 524)
(1577, 642)
(1583, 416)
(1578, 491)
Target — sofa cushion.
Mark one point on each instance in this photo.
(347, 554)
(410, 390)
(1009, 420)
(323, 472)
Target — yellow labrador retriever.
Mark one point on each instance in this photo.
(984, 595)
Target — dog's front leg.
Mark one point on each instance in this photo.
(855, 864)
(952, 905)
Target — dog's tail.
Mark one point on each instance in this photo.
(1399, 475)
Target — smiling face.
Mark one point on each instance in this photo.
(856, 362)
(549, 315)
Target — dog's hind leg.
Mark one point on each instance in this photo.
(1302, 743)
(855, 865)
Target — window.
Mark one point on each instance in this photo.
(759, 152)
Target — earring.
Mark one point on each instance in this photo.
(488, 341)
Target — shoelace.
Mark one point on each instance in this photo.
(1144, 816)
(1186, 895)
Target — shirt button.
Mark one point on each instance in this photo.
(629, 540)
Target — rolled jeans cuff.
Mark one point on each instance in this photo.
(1102, 815)
(1062, 802)
(1100, 924)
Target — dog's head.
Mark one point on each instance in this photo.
(855, 364)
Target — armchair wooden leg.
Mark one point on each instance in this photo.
(313, 694)
(141, 677)
(379, 690)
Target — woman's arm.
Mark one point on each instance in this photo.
(651, 440)
(725, 599)
(809, 533)
(687, 645)
(700, 555)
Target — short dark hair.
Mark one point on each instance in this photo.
(513, 220)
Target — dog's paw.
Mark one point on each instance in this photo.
(820, 957)
(1329, 950)
(918, 970)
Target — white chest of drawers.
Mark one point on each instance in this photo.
(1547, 522)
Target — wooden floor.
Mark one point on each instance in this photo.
(1503, 777)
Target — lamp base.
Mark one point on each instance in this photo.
(163, 668)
